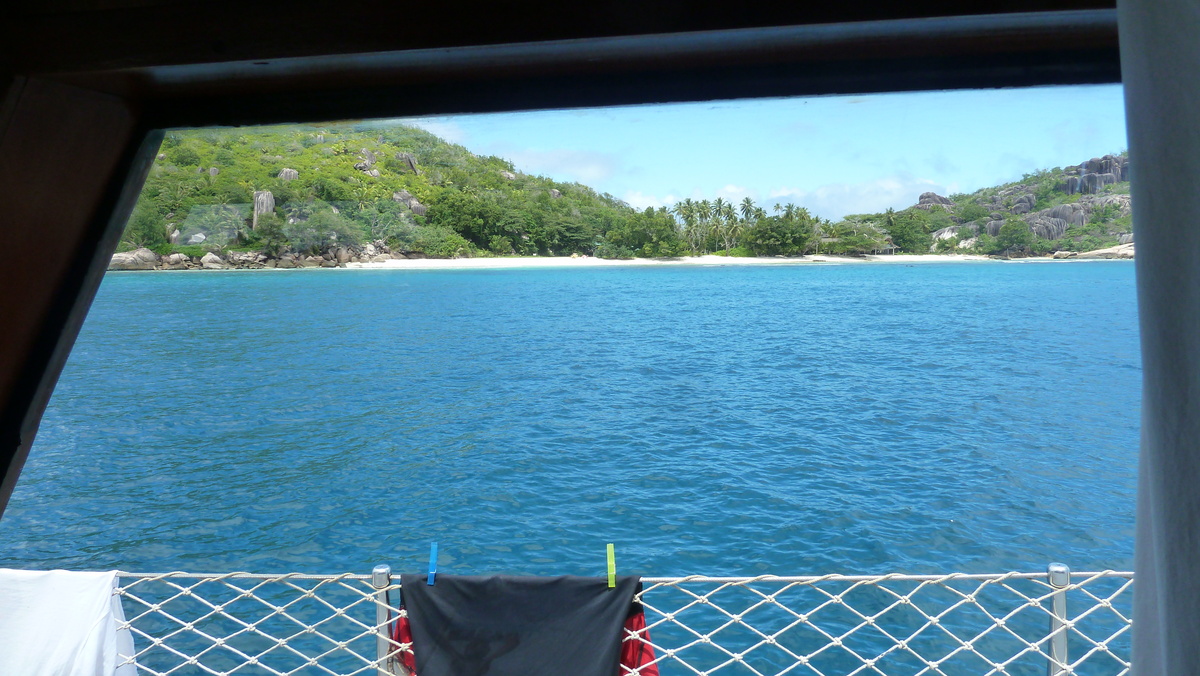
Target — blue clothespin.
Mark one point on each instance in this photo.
(432, 563)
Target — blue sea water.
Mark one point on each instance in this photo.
(722, 421)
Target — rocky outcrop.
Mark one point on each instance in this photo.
(1123, 203)
(406, 198)
(375, 249)
(366, 161)
(211, 261)
(508, 176)
(1073, 214)
(1091, 176)
(245, 259)
(1092, 206)
(1126, 238)
(1024, 204)
(175, 261)
(1053, 223)
(929, 200)
(1109, 164)
(335, 257)
(139, 259)
(286, 174)
(1093, 183)
(1048, 228)
(948, 232)
(264, 203)
(1119, 251)
(410, 162)
(555, 194)
(197, 238)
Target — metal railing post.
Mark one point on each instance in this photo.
(381, 577)
(1059, 578)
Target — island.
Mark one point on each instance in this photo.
(372, 195)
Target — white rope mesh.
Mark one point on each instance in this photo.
(240, 623)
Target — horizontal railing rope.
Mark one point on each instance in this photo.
(1003, 623)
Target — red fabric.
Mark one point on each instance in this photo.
(637, 655)
(403, 634)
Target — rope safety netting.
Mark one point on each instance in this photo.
(240, 623)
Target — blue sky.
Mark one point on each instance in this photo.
(833, 155)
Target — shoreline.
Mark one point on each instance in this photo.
(512, 262)
(564, 262)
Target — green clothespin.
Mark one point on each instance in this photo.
(612, 567)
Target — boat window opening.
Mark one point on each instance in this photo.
(851, 335)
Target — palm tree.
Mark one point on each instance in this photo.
(747, 208)
(820, 229)
(685, 211)
(704, 212)
(717, 208)
(733, 232)
(723, 215)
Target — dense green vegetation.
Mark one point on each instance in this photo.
(352, 184)
(347, 185)
(204, 182)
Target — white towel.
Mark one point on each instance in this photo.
(62, 623)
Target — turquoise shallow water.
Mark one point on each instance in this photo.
(731, 420)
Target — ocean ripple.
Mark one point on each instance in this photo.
(728, 421)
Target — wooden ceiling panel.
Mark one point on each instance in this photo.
(87, 35)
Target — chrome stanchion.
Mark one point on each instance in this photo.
(1060, 578)
(381, 578)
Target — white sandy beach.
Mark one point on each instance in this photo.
(589, 261)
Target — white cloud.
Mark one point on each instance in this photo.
(641, 201)
(734, 193)
(835, 200)
(832, 201)
(564, 164)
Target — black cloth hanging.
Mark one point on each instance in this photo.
(467, 625)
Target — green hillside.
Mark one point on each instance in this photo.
(1077, 208)
(350, 185)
